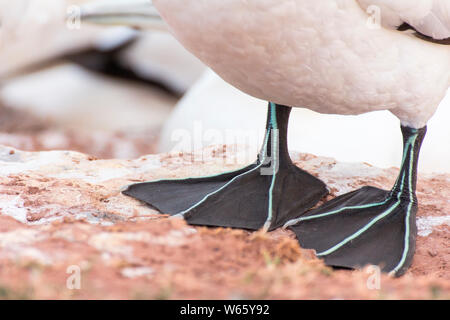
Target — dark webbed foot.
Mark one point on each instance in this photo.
(263, 195)
(368, 226)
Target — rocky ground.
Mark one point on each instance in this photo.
(67, 232)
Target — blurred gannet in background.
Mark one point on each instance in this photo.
(324, 56)
(79, 76)
(27, 25)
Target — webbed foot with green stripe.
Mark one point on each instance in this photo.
(368, 226)
(265, 194)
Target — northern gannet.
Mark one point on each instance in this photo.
(118, 52)
(331, 56)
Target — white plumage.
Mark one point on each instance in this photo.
(322, 55)
(430, 17)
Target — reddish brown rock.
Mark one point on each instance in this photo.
(62, 213)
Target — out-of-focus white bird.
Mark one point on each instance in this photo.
(35, 34)
(36, 31)
(43, 45)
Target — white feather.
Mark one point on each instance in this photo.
(429, 17)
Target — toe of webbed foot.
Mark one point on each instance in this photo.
(368, 226)
(245, 199)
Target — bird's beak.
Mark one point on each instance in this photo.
(139, 14)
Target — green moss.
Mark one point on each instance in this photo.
(164, 293)
(7, 293)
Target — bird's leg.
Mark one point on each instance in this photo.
(369, 225)
(265, 194)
